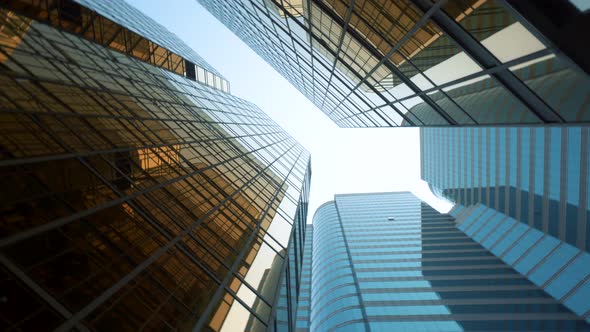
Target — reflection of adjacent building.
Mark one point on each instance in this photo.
(387, 261)
(488, 103)
(267, 288)
(291, 8)
(292, 288)
(126, 204)
(381, 25)
(368, 63)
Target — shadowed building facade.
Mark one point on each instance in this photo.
(539, 176)
(137, 193)
(368, 63)
(387, 261)
(523, 193)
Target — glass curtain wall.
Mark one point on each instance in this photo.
(134, 198)
(538, 176)
(387, 261)
(383, 63)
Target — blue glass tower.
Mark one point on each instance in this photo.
(523, 194)
(387, 262)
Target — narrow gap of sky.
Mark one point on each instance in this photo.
(343, 160)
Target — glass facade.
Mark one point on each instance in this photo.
(121, 27)
(558, 267)
(134, 196)
(538, 176)
(303, 303)
(383, 63)
(291, 284)
(522, 193)
(387, 261)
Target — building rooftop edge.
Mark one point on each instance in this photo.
(319, 208)
(374, 193)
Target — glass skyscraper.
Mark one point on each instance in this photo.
(137, 193)
(388, 63)
(539, 176)
(389, 262)
(523, 193)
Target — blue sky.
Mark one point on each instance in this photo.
(343, 160)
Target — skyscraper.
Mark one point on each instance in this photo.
(369, 63)
(137, 193)
(388, 262)
(527, 186)
(539, 176)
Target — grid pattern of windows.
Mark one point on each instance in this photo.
(133, 19)
(304, 301)
(134, 198)
(387, 261)
(538, 176)
(293, 276)
(379, 63)
(123, 28)
(335, 298)
(559, 268)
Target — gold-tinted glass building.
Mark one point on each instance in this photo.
(367, 63)
(137, 193)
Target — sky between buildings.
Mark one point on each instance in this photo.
(342, 160)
